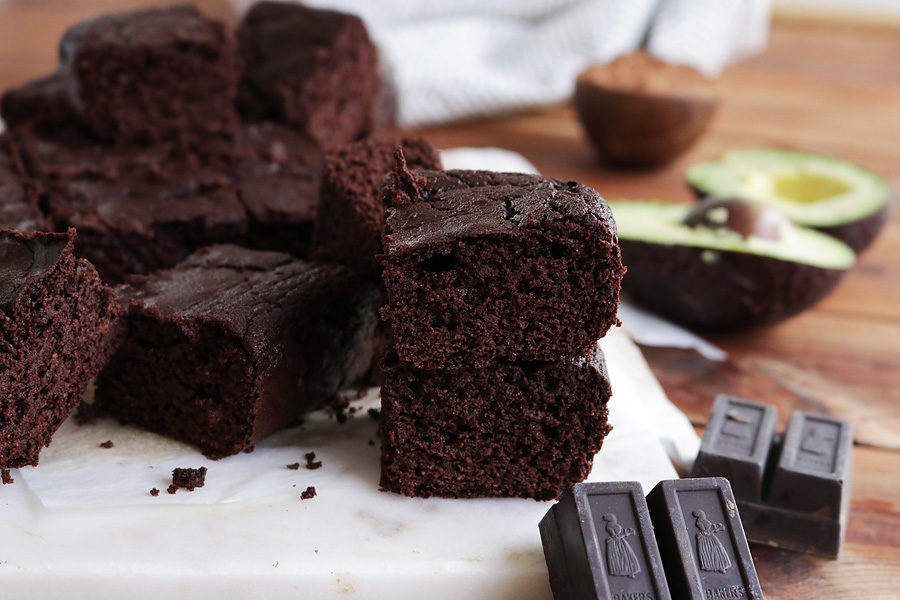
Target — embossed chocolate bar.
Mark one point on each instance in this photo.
(599, 545)
(736, 444)
(701, 540)
(805, 494)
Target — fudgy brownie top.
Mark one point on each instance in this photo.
(43, 103)
(24, 258)
(226, 282)
(447, 205)
(279, 173)
(180, 25)
(270, 31)
(69, 154)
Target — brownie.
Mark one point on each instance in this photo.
(277, 173)
(56, 322)
(483, 266)
(150, 220)
(314, 69)
(351, 212)
(152, 74)
(19, 194)
(510, 429)
(247, 341)
(43, 104)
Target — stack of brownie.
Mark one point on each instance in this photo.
(498, 288)
(189, 158)
(163, 132)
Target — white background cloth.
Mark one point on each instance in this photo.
(457, 59)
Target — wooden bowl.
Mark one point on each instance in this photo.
(642, 112)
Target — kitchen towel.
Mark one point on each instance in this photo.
(460, 59)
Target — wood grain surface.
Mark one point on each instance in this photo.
(822, 87)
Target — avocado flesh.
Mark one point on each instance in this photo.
(808, 189)
(660, 223)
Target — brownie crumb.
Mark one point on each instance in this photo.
(293, 466)
(154, 492)
(249, 449)
(187, 479)
(374, 413)
(401, 187)
(6, 477)
(311, 462)
(308, 493)
(107, 444)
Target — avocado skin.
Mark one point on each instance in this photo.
(858, 234)
(738, 290)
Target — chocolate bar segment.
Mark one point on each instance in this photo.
(736, 444)
(701, 540)
(813, 471)
(599, 544)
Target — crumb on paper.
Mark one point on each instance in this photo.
(311, 462)
(293, 466)
(154, 492)
(6, 477)
(308, 493)
(107, 444)
(187, 479)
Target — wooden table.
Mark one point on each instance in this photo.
(826, 88)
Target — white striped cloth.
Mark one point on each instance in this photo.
(458, 59)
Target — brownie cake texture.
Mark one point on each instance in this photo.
(314, 69)
(56, 321)
(509, 429)
(152, 74)
(483, 266)
(247, 341)
(351, 212)
(19, 194)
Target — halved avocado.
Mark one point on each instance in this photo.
(723, 265)
(828, 194)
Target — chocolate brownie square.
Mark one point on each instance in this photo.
(277, 173)
(483, 266)
(152, 74)
(56, 325)
(509, 429)
(147, 215)
(351, 211)
(233, 344)
(43, 105)
(19, 194)
(314, 69)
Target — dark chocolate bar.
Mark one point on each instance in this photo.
(701, 540)
(813, 471)
(805, 494)
(736, 444)
(599, 545)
